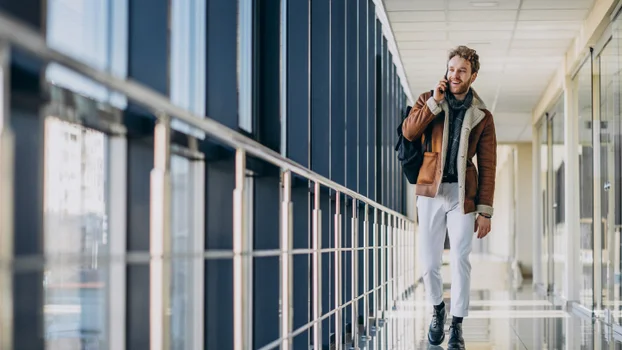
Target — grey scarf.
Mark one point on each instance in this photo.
(457, 110)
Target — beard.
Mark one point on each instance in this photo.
(459, 89)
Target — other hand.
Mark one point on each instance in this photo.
(482, 226)
(439, 91)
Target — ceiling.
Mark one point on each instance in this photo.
(521, 44)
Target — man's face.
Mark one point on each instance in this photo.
(459, 75)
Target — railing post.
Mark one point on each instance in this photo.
(241, 289)
(390, 280)
(317, 270)
(364, 336)
(376, 293)
(355, 268)
(338, 289)
(403, 268)
(7, 149)
(287, 307)
(383, 282)
(160, 237)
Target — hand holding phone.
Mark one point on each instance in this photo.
(439, 91)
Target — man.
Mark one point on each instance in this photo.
(451, 192)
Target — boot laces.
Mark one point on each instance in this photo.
(436, 318)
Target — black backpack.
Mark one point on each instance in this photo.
(410, 153)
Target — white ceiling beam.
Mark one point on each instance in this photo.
(387, 31)
(591, 30)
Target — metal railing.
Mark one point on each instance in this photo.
(391, 247)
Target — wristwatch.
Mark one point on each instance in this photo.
(485, 215)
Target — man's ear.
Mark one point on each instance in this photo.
(473, 77)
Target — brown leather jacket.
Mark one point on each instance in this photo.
(476, 190)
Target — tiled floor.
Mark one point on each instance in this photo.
(516, 319)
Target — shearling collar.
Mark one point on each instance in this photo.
(477, 101)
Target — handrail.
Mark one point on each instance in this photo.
(15, 33)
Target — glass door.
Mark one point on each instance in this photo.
(609, 219)
(586, 188)
(544, 200)
(557, 225)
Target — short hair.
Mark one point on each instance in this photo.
(468, 54)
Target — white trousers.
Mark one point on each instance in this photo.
(436, 215)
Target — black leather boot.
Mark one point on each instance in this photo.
(456, 341)
(436, 334)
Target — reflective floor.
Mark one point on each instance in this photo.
(505, 318)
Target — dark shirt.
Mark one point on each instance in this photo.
(457, 111)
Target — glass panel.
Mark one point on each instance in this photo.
(75, 188)
(616, 49)
(558, 202)
(544, 166)
(181, 230)
(188, 59)
(610, 173)
(586, 179)
(94, 32)
(245, 64)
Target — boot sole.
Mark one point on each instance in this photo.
(436, 343)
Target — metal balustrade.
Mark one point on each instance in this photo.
(392, 244)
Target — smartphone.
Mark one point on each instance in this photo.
(443, 90)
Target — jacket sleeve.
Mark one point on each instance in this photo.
(420, 116)
(487, 167)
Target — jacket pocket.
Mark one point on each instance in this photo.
(429, 166)
(471, 183)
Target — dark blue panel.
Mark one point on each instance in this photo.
(148, 64)
(140, 164)
(378, 110)
(221, 105)
(266, 205)
(362, 114)
(266, 269)
(346, 242)
(320, 86)
(352, 134)
(392, 118)
(267, 51)
(302, 278)
(221, 61)
(338, 92)
(298, 110)
(385, 120)
(28, 220)
(371, 100)
(328, 259)
(298, 81)
(344, 233)
(27, 11)
(219, 273)
(140, 155)
(148, 43)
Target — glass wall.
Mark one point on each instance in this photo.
(94, 32)
(598, 227)
(263, 75)
(544, 185)
(610, 173)
(75, 230)
(76, 237)
(586, 178)
(558, 224)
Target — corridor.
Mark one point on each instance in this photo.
(503, 317)
(223, 174)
